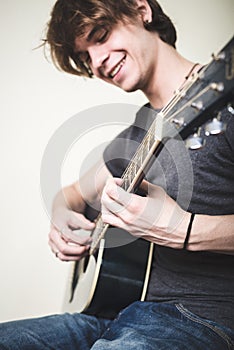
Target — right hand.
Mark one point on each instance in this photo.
(67, 238)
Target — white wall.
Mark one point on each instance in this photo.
(35, 100)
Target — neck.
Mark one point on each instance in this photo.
(169, 75)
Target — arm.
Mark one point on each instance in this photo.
(159, 219)
(69, 236)
(214, 233)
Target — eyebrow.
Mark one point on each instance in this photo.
(90, 35)
(93, 32)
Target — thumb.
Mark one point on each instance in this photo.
(77, 221)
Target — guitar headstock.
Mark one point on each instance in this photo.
(201, 100)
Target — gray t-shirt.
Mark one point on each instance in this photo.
(202, 182)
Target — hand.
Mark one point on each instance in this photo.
(157, 217)
(66, 239)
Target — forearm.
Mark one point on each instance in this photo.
(159, 219)
(69, 197)
(85, 191)
(212, 233)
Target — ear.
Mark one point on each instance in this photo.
(144, 10)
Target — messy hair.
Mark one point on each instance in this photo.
(70, 19)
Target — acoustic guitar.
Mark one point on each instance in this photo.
(117, 270)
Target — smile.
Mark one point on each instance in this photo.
(117, 68)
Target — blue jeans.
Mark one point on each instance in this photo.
(141, 326)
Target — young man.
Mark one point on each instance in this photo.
(189, 302)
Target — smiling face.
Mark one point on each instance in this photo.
(124, 55)
(72, 21)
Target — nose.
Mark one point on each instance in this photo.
(98, 55)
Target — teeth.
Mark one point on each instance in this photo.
(117, 68)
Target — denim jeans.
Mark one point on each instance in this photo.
(141, 326)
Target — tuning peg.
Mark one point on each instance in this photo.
(230, 108)
(215, 126)
(220, 56)
(195, 141)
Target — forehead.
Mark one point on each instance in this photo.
(95, 31)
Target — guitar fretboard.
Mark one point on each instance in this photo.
(206, 90)
(130, 178)
(140, 160)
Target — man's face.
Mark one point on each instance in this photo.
(124, 55)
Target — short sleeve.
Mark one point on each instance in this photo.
(121, 150)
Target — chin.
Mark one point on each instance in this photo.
(128, 85)
(129, 88)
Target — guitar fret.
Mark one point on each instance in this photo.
(128, 177)
(154, 135)
(214, 88)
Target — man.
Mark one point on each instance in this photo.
(189, 302)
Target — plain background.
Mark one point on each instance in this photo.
(35, 100)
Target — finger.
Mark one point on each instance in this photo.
(77, 221)
(65, 249)
(117, 193)
(52, 241)
(109, 218)
(80, 237)
(129, 211)
(114, 180)
(53, 247)
(152, 190)
(110, 205)
(63, 257)
(73, 254)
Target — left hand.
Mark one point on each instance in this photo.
(157, 217)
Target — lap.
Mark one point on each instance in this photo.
(150, 326)
(55, 332)
(141, 326)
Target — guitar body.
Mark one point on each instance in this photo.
(112, 278)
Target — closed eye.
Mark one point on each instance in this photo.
(98, 35)
(102, 36)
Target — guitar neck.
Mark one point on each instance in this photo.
(138, 166)
(132, 177)
(202, 94)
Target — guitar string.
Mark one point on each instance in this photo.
(177, 97)
(180, 94)
(163, 112)
(100, 229)
(100, 225)
(138, 155)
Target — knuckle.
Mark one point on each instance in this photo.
(53, 236)
(134, 207)
(63, 257)
(63, 249)
(128, 218)
(103, 198)
(62, 246)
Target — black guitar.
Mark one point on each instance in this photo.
(110, 279)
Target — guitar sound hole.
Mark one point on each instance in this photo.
(86, 261)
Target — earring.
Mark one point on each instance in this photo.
(147, 22)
